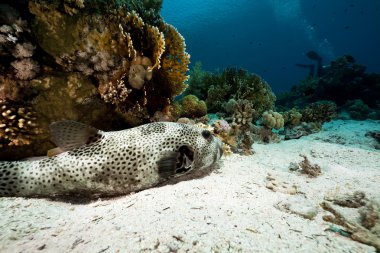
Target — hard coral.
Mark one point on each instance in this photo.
(16, 48)
(319, 112)
(271, 119)
(191, 107)
(136, 60)
(237, 84)
(292, 117)
(340, 82)
(242, 125)
(18, 125)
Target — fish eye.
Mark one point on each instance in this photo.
(206, 134)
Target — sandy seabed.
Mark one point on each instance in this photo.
(230, 210)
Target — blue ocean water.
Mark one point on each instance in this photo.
(268, 37)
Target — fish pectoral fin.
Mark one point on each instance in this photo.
(69, 135)
(167, 164)
(174, 163)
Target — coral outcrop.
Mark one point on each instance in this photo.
(241, 126)
(319, 112)
(342, 81)
(232, 83)
(271, 119)
(191, 107)
(90, 61)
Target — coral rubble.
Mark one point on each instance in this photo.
(367, 230)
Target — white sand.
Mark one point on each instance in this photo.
(229, 210)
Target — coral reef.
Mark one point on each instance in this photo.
(309, 120)
(191, 107)
(231, 83)
(93, 61)
(265, 135)
(196, 84)
(342, 81)
(319, 112)
(358, 110)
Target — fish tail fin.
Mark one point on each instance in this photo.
(11, 180)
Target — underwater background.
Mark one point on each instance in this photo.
(269, 37)
(222, 126)
(253, 71)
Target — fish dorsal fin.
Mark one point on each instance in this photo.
(69, 135)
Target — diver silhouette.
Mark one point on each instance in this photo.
(314, 71)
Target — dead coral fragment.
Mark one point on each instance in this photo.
(312, 170)
(367, 232)
(18, 125)
(357, 199)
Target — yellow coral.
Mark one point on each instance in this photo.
(175, 59)
(158, 40)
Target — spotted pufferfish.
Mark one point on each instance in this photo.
(111, 163)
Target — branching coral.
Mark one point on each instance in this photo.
(195, 82)
(242, 125)
(358, 110)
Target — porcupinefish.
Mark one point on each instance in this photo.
(111, 163)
